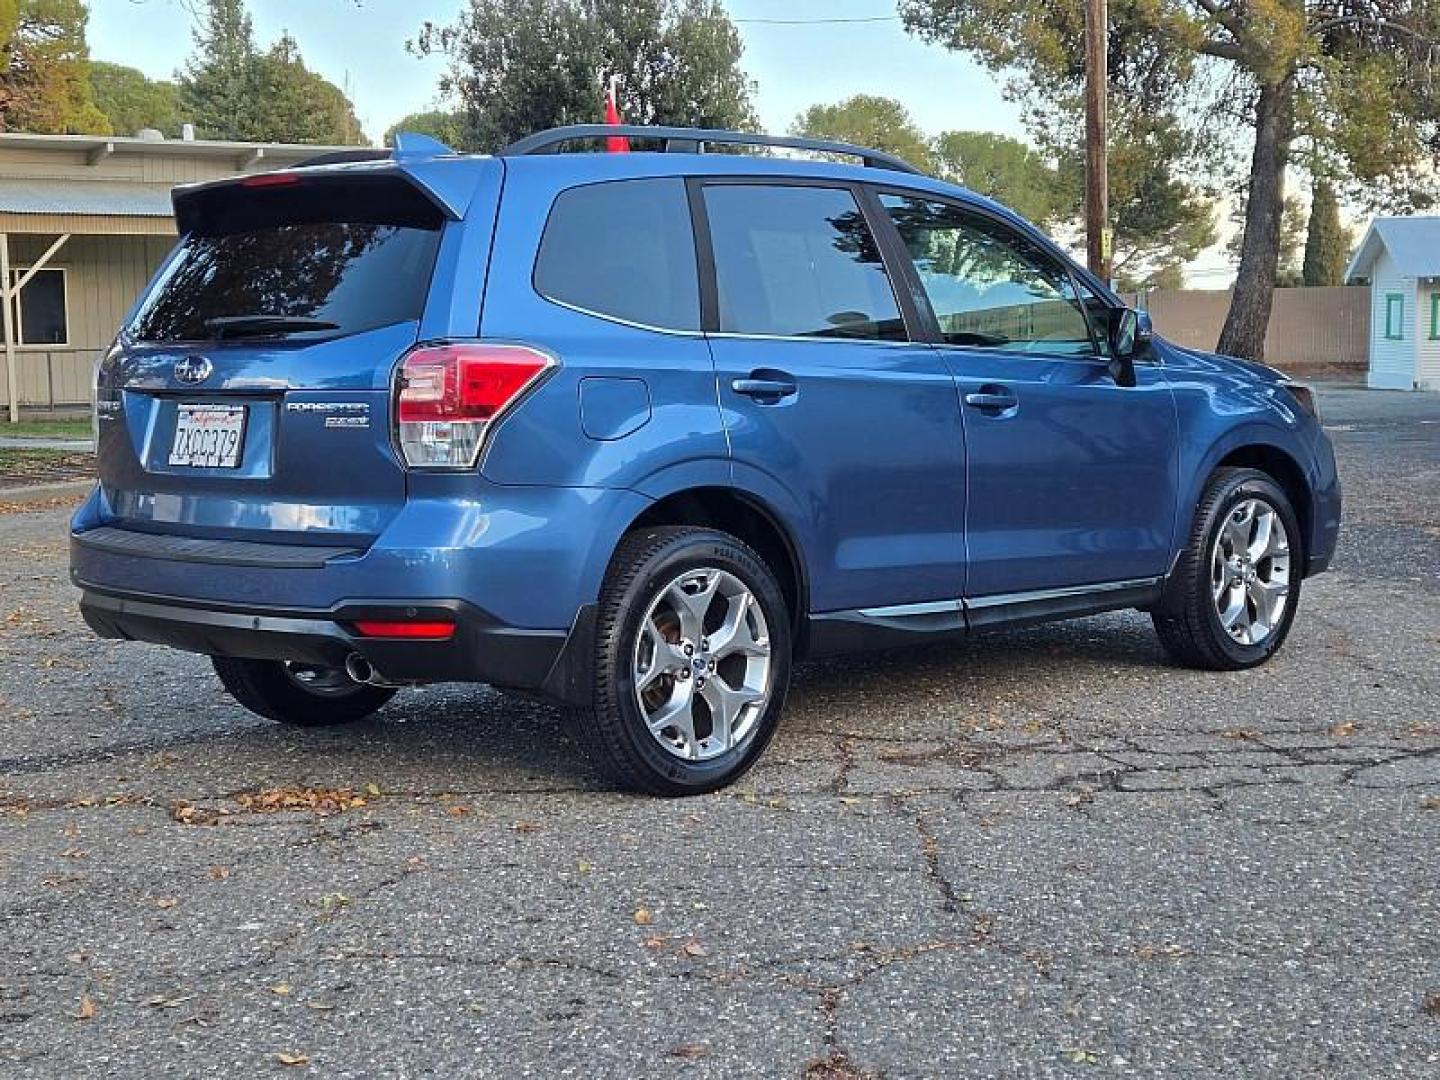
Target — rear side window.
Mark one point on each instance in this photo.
(349, 265)
(798, 262)
(625, 250)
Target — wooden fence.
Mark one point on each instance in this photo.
(1320, 332)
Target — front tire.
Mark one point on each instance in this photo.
(692, 662)
(1237, 585)
(296, 694)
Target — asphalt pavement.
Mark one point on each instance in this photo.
(1043, 853)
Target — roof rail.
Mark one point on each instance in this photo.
(694, 140)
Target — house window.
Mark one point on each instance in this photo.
(1435, 316)
(41, 315)
(1394, 316)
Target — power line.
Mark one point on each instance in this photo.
(820, 22)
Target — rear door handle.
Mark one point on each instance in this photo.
(993, 399)
(764, 389)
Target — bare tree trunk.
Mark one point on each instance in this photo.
(1249, 317)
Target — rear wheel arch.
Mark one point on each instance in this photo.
(749, 520)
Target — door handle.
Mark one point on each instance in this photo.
(764, 389)
(993, 399)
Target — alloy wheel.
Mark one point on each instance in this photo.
(702, 668)
(1250, 571)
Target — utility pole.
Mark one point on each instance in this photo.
(1097, 180)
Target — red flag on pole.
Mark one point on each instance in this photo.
(615, 144)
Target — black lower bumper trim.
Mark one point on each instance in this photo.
(481, 650)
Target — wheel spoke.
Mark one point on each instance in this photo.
(691, 607)
(735, 634)
(1234, 614)
(726, 705)
(663, 657)
(1269, 599)
(1238, 527)
(1261, 537)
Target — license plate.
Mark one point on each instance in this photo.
(208, 436)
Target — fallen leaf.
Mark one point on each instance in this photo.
(657, 942)
(287, 1058)
(320, 801)
(74, 853)
(1343, 730)
(372, 788)
(643, 917)
(459, 811)
(219, 873)
(280, 989)
(527, 826)
(169, 1003)
(166, 902)
(584, 867)
(1431, 802)
(86, 1009)
(321, 1006)
(689, 1051)
(693, 948)
(1079, 1055)
(1432, 1004)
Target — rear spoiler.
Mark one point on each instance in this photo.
(446, 179)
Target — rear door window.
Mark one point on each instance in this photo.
(625, 250)
(798, 261)
(270, 254)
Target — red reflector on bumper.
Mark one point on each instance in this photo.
(435, 631)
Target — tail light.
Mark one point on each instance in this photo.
(448, 395)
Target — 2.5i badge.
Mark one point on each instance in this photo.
(337, 414)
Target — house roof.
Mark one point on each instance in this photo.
(1413, 243)
(100, 197)
(97, 148)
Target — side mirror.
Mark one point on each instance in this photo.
(1130, 333)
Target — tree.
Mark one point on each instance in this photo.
(519, 66)
(1007, 170)
(446, 125)
(1292, 235)
(1327, 242)
(232, 90)
(1351, 79)
(880, 123)
(131, 101)
(294, 104)
(45, 69)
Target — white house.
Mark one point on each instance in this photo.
(1400, 257)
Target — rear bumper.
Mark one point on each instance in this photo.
(551, 663)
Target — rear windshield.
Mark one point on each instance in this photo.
(348, 272)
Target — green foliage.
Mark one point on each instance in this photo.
(442, 124)
(1006, 170)
(1292, 238)
(1351, 83)
(879, 123)
(1327, 242)
(519, 66)
(232, 90)
(131, 101)
(45, 69)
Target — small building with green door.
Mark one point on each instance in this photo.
(1400, 259)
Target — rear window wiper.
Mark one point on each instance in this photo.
(230, 326)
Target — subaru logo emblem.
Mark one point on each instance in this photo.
(193, 369)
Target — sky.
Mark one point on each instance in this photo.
(360, 46)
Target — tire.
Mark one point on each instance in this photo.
(271, 689)
(648, 617)
(1212, 574)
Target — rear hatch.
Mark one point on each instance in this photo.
(248, 396)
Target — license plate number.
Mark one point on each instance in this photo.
(208, 436)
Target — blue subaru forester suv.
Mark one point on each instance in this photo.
(634, 432)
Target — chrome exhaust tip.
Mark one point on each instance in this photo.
(359, 669)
